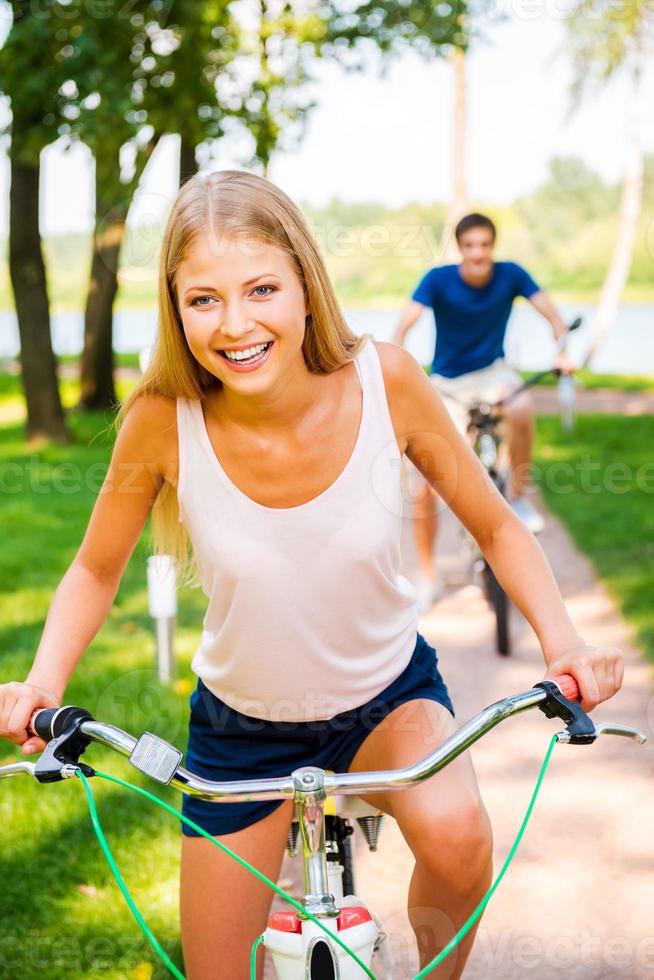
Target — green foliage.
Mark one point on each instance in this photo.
(429, 26)
(31, 76)
(604, 38)
(600, 481)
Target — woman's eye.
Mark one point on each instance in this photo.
(256, 292)
(201, 301)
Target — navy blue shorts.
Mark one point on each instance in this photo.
(225, 744)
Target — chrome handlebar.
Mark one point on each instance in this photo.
(160, 760)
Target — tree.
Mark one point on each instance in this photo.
(106, 51)
(605, 42)
(458, 203)
(200, 40)
(126, 74)
(22, 79)
(267, 83)
(132, 79)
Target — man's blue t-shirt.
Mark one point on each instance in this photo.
(471, 322)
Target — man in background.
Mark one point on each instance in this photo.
(472, 303)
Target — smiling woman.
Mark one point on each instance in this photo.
(225, 310)
(269, 436)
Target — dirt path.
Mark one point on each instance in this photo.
(579, 899)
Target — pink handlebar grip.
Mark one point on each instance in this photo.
(568, 685)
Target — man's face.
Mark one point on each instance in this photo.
(476, 246)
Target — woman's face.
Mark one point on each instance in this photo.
(243, 310)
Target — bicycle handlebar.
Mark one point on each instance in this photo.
(535, 379)
(69, 730)
(49, 723)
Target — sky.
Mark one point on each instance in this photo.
(388, 138)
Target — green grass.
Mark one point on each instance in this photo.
(121, 360)
(590, 380)
(600, 481)
(62, 916)
(12, 403)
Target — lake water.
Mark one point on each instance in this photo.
(627, 349)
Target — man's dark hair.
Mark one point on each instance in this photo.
(474, 221)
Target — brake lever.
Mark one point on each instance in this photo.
(16, 768)
(60, 758)
(609, 728)
(579, 727)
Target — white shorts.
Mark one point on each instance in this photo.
(488, 385)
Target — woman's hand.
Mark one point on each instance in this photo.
(18, 702)
(597, 670)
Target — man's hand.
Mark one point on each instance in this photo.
(563, 363)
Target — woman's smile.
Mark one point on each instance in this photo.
(248, 358)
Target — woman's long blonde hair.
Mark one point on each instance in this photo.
(231, 203)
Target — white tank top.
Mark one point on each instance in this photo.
(308, 613)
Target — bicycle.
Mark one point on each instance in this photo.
(485, 431)
(330, 935)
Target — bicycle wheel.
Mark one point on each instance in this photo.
(499, 601)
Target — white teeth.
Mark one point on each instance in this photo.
(243, 355)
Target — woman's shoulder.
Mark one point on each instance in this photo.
(150, 427)
(399, 367)
(402, 374)
(151, 412)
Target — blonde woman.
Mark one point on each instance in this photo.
(269, 437)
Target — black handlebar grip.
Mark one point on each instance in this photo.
(41, 723)
(50, 723)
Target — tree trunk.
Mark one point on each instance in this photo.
(45, 416)
(97, 371)
(97, 391)
(459, 199)
(187, 162)
(630, 206)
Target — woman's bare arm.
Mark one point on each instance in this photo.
(86, 592)
(433, 443)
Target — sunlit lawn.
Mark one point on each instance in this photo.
(599, 480)
(61, 915)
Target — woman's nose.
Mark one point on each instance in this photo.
(235, 322)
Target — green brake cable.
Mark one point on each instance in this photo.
(223, 847)
(95, 820)
(467, 926)
(456, 939)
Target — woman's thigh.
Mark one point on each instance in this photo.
(448, 803)
(223, 908)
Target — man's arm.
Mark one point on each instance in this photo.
(541, 302)
(410, 315)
